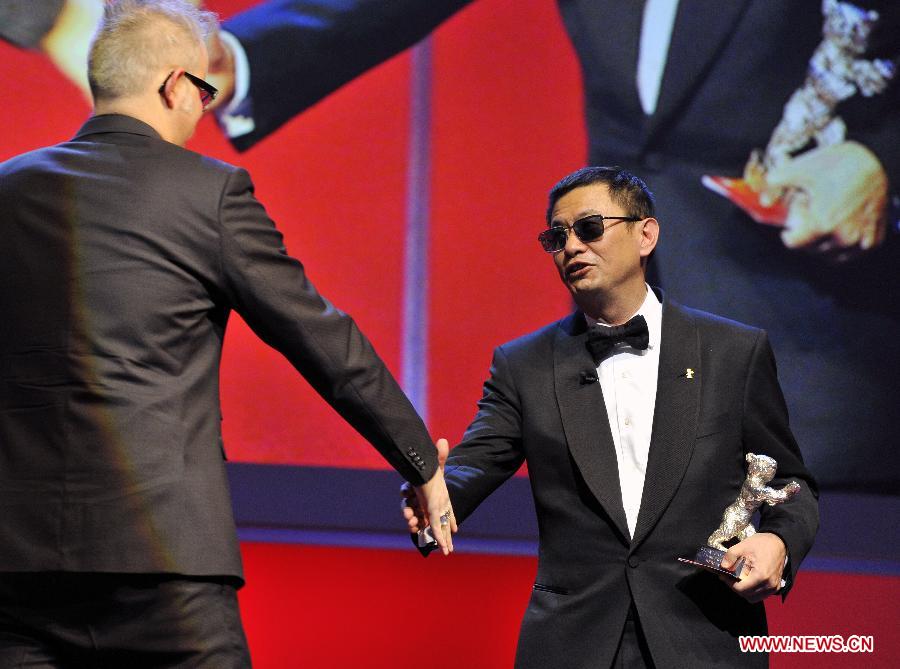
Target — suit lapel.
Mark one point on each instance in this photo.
(584, 418)
(614, 55)
(674, 418)
(702, 27)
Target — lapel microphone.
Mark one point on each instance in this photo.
(588, 376)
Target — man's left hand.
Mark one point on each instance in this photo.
(429, 504)
(69, 41)
(764, 559)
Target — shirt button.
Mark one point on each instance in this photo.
(627, 421)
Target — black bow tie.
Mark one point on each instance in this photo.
(602, 339)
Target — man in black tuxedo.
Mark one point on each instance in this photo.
(634, 415)
(124, 255)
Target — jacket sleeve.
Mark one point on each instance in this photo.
(765, 430)
(299, 51)
(270, 290)
(491, 449)
(25, 23)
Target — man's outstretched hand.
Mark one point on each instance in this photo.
(429, 505)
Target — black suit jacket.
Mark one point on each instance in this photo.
(536, 409)
(123, 257)
(299, 51)
(731, 68)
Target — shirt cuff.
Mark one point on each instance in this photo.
(236, 118)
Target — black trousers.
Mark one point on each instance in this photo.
(633, 652)
(54, 620)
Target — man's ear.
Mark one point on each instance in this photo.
(167, 90)
(649, 236)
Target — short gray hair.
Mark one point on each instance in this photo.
(137, 38)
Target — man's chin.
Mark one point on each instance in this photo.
(582, 292)
(581, 285)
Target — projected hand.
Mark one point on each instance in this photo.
(839, 202)
(764, 559)
(424, 505)
(69, 40)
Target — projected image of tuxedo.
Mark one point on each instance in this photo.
(726, 75)
(714, 92)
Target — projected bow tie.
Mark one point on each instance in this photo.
(601, 339)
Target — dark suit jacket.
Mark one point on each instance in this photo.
(720, 98)
(535, 409)
(26, 24)
(299, 51)
(123, 257)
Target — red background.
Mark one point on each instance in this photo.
(329, 607)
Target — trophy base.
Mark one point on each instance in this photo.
(710, 558)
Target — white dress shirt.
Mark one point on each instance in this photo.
(656, 34)
(628, 379)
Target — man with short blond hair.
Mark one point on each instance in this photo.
(124, 255)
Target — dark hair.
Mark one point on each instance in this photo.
(625, 189)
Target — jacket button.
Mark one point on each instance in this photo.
(633, 561)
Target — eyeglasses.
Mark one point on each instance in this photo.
(587, 229)
(208, 92)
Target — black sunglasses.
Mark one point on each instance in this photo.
(208, 92)
(587, 229)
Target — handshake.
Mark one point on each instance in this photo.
(427, 507)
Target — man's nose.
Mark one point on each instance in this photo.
(573, 244)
